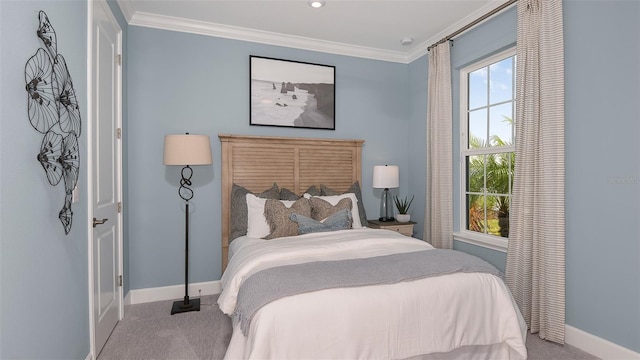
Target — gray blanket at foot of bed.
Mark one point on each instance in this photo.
(271, 284)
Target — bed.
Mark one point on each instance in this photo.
(375, 300)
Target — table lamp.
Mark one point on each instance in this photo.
(385, 177)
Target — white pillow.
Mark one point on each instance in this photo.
(257, 226)
(333, 199)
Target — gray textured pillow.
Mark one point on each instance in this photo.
(286, 194)
(313, 191)
(239, 207)
(322, 209)
(355, 188)
(341, 220)
(277, 215)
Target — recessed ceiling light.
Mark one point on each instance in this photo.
(406, 41)
(316, 3)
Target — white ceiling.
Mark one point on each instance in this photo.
(371, 29)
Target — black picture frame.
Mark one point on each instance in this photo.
(289, 93)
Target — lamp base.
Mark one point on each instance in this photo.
(385, 207)
(181, 307)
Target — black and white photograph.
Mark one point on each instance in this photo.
(292, 94)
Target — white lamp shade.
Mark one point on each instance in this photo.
(187, 149)
(386, 176)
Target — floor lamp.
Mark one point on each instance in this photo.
(385, 177)
(186, 150)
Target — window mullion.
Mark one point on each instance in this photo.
(490, 150)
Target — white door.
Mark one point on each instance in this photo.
(105, 174)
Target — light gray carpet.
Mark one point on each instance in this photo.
(149, 331)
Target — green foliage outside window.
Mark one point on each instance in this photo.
(493, 174)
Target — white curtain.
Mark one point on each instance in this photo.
(438, 221)
(536, 256)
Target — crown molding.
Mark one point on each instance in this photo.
(263, 37)
(126, 9)
(171, 23)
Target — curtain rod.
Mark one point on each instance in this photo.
(473, 23)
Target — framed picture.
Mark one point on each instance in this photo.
(292, 94)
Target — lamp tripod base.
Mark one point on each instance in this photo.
(185, 305)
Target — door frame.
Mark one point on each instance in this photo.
(89, 155)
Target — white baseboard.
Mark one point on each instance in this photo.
(604, 349)
(139, 296)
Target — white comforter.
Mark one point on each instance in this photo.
(466, 315)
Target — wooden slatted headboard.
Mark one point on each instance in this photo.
(256, 162)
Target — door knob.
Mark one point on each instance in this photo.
(99, 222)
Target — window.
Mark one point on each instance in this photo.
(487, 149)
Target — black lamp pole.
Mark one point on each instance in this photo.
(186, 194)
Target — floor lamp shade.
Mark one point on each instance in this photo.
(186, 150)
(385, 177)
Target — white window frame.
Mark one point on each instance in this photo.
(472, 237)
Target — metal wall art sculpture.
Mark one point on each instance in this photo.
(54, 112)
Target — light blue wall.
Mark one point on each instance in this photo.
(602, 112)
(602, 107)
(182, 82)
(204, 84)
(44, 297)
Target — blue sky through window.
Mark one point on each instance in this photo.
(491, 101)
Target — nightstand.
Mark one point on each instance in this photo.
(404, 228)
